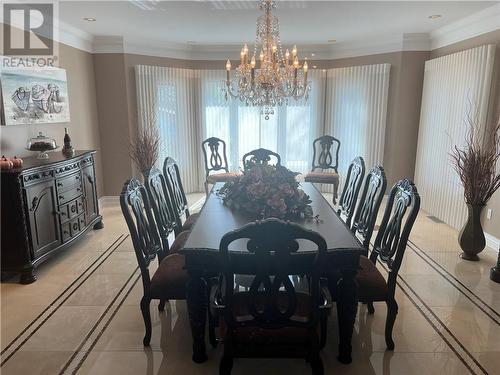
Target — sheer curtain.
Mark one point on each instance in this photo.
(455, 86)
(290, 131)
(356, 112)
(169, 95)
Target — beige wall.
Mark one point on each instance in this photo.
(490, 226)
(114, 121)
(83, 125)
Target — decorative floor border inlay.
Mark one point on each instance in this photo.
(461, 287)
(42, 318)
(87, 345)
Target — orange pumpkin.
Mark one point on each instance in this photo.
(5, 163)
(17, 162)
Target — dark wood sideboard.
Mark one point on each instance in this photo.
(46, 206)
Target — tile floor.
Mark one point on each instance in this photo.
(82, 316)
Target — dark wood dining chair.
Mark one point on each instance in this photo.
(165, 218)
(326, 158)
(274, 318)
(260, 156)
(169, 280)
(352, 185)
(400, 213)
(214, 154)
(369, 204)
(177, 195)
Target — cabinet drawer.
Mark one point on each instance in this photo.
(69, 182)
(66, 196)
(71, 210)
(73, 227)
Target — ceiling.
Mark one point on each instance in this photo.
(226, 23)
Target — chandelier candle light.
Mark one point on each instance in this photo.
(279, 76)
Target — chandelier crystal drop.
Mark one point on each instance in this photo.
(269, 78)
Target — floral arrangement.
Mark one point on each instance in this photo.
(267, 191)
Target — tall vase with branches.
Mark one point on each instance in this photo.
(476, 164)
(145, 149)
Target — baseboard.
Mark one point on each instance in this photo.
(492, 242)
(108, 200)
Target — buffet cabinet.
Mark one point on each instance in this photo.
(46, 206)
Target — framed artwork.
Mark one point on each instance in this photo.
(34, 96)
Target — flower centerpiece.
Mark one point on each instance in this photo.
(267, 191)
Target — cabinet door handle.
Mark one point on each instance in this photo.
(78, 189)
(60, 213)
(60, 184)
(90, 179)
(61, 196)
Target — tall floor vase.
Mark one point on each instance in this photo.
(471, 237)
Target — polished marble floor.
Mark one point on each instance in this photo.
(82, 316)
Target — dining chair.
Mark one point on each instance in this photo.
(352, 185)
(217, 161)
(164, 215)
(260, 156)
(367, 211)
(274, 318)
(325, 159)
(178, 197)
(170, 278)
(400, 213)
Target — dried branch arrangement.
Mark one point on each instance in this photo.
(476, 164)
(145, 149)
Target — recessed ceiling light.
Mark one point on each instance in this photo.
(315, 66)
(332, 40)
(313, 54)
(435, 16)
(89, 19)
(324, 70)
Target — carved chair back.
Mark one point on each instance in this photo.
(136, 209)
(400, 214)
(217, 160)
(325, 153)
(371, 198)
(160, 201)
(272, 301)
(260, 156)
(179, 204)
(350, 192)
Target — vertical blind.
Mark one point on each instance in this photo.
(356, 112)
(348, 103)
(455, 86)
(169, 96)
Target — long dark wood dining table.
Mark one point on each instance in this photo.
(202, 261)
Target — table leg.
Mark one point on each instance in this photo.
(347, 307)
(197, 309)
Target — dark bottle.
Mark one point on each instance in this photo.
(67, 140)
(67, 148)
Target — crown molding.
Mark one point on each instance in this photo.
(481, 22)
(478, 23)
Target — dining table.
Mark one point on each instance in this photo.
(202, 261)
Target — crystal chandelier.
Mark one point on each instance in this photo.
(276, 78)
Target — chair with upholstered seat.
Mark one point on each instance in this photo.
(389, 248)
(177, 196)
(169, 280)
(260, 156)
(324, 159)
(369, 204)
(352, 185)
(275, 317)
(216, 162)
(165, 218)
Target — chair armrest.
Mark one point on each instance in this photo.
(325, 294)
